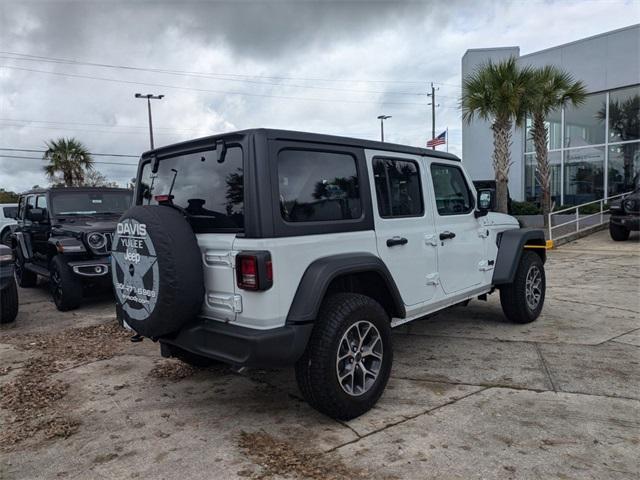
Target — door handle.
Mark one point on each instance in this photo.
(392, 242)
(447, 234)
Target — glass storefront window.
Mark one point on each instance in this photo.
(554, 129)
(624, 115)
(532, 187)
(585, 125)
(624, 164)
(583, 175)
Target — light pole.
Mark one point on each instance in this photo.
(149, 97)
(382, 118)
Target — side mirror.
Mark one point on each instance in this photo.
(486, 202)
(37, 214)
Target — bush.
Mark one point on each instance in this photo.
(525, 208)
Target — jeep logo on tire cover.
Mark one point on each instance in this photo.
(134, 269)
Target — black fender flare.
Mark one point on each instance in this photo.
(510, 250)
(321, 272)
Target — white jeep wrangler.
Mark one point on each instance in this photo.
(267, 248)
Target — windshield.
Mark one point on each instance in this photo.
(90, 203)
(211, 194)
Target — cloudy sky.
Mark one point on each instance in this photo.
(72, 68)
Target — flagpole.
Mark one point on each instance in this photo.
(447, 139)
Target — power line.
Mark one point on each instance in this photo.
(87, 129)
(31, 150)
(176, 87)
(212, 76)
(57, 122)
(40, 159)
(216, 74)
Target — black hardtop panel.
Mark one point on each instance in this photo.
(74, 189)
(291, 135)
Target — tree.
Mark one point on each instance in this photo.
(69, 161)
(7, 196)
(93, 178)
(497, 92)
(551, 89)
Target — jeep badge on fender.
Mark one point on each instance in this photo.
(269, 248)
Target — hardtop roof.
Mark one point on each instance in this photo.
(75, 189)
(298, 136)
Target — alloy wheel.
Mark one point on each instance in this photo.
(533, 287)
(359, 358)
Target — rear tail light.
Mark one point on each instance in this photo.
(254, 270)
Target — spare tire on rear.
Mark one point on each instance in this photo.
(157, 270)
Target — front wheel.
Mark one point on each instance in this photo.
(523, 299)
(66, 289)
(347, 362)
(618, 232)
(25, 278)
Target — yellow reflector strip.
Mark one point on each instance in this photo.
(547, 246)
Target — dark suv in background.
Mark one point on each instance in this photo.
(64, 234)
(625, 214)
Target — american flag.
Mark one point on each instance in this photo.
(439, 140)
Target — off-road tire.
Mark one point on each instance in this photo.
(618, 232)
(66, 288)
(316, 369)
(9, 302)
(5, 237)
(24, 277)
(513, 297)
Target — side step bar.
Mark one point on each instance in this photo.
(36, 269)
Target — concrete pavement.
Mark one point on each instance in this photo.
(471, 395)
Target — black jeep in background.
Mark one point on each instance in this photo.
(625, 214)
(64, 234)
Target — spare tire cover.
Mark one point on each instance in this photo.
(157, 270)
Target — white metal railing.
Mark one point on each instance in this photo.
(581, 223)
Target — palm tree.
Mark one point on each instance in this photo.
(69, 158)
(552, 88)
(498, 92)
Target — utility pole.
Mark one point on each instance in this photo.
(382, 118)
(433, 111)
(149, 97)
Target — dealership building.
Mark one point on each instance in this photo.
(594, 149)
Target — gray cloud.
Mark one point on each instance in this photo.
(355, 41)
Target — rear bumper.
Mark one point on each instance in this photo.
(629, 222)
(241, 346)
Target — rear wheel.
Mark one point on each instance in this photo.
(523, 299)
(66, 288)
(9, 302)
(24, 277)
(618, 232)
(347, 363)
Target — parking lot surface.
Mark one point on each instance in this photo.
(470, 396)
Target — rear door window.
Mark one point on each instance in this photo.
(211, 194)
(316, 186)
(398, 188)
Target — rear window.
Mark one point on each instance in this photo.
(87, 202)
(318, 186)
(210, 193)
(9, 212)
